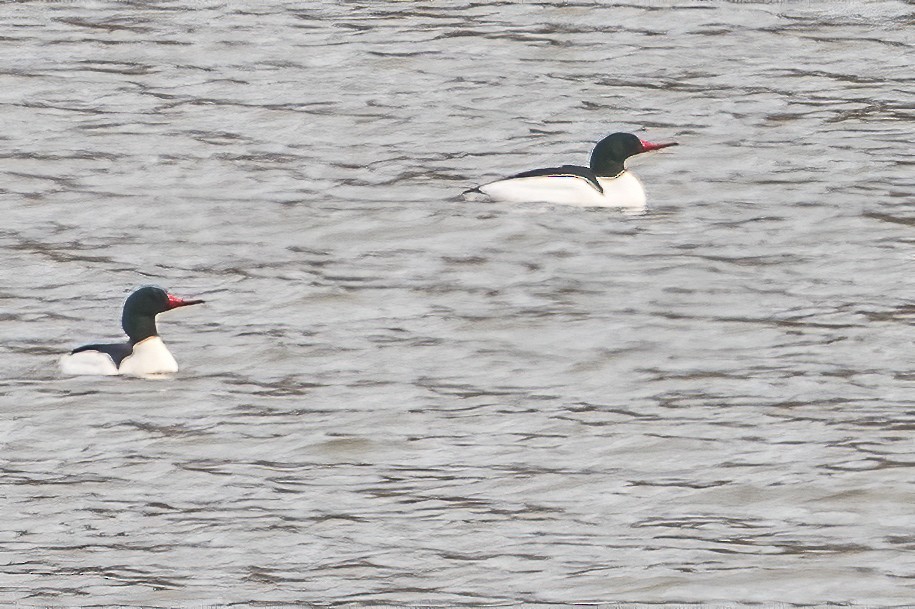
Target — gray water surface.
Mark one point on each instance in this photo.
(395, 396)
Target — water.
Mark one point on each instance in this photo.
(394, 396)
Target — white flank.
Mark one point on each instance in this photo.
(624, 190)
(88, 362)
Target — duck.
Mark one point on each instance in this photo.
(143, 353)
(604, 183)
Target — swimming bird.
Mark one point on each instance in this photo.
(144, 352)
(605, 183)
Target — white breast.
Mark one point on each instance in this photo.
(624, 190)
(149, 356)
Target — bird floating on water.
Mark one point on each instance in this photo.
(143, 353)
(605, 183)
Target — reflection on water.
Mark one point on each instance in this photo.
(394, 396)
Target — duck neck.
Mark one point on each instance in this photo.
(607, 168)
(139, 327)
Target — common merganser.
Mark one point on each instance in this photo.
(144, 353)
(606, 183)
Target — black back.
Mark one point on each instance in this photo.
(570, 171)
(117, 351)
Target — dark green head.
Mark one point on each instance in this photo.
(141, 308)
(610, 154)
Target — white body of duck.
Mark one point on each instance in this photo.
(624, 191)
(148, 357)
